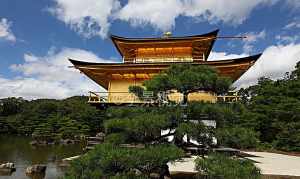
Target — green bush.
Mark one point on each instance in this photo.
(225, 167)
(108, 160)
(48, 118)
(116, 138)
(237, 137)
(142, 128)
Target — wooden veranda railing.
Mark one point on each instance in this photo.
(120, 97)
(148, 97)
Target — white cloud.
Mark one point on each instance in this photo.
(89, 17)
(274, 63)
(162, 14)
(292, 25)
(5, 30)
(93, 17)
(49, 76)
(224, 56)
(293, 3)
(252, 38)
(286, 39)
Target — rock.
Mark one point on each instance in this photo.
(51, 143)
(101, 135)
(64, 164)
(67, 141)
(38, 143)
(34, 142)
(36, 169)
(154, 175)
(137, 172)
(7, 166)
(164, 171)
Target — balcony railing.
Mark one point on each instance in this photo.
(231, 96)
(120, 97)
(148, 97)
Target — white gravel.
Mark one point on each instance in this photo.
(186, 165)
(269, 163)
(276, 164)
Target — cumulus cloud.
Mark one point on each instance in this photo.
(292, 25)
(93, 17)
(286, 39)
(89, 17)
(224, 56)
(252, 38)
(162, 14)
(293, 3)
(274, 63)
(5, 30)
(159, 14)
(49, 76)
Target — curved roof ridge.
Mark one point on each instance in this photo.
(212, 33)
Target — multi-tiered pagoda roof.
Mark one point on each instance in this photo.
(145, 57)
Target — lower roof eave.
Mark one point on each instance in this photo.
(233, 68)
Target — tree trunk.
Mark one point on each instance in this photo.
(185, 99)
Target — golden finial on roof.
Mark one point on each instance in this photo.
(167, 34)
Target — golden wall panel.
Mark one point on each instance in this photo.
(202, 96)
(119, 93)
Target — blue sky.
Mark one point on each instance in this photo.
(37, 37)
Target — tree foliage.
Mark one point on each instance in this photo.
(274, 108)
(108, 160)
(238, 137)
(222, 166)
(48, 118)
(188, 78)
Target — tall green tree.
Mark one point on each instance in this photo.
(274, 110)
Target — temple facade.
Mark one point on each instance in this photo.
(142, 58)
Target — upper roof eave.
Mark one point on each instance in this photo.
(77, 63)
(126, 39)
(117, 39)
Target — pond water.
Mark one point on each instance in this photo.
(17, 149)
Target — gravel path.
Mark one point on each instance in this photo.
(276, 164)
(269, 163)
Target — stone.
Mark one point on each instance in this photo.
(36, 169)
(101, 136)
(67, 141)
(137, 172)
(8, 165)
(154, 175)
(34, 142)
(164, 171)
(7, 168)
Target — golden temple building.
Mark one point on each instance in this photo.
(142, 58)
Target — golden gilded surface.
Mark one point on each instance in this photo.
(118, 93)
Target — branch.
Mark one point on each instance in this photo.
(166, 135)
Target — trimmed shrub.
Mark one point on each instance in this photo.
(225, 167)
(237, 137)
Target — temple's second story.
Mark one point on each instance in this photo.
(165, 49)
(145, 57)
